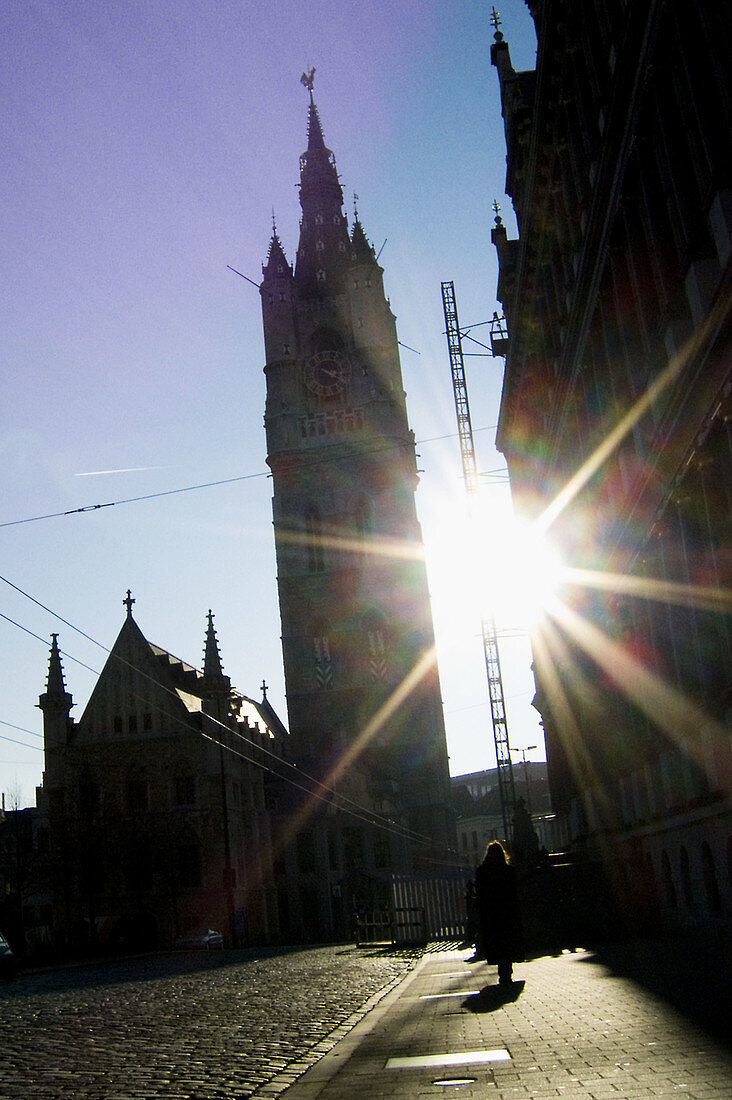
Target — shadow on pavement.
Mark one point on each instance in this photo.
(493, 997)
(692, 972)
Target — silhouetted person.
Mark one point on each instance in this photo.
(499, 912)
(525, 840)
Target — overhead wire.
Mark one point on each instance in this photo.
(358, 453)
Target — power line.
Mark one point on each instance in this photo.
(222, 481)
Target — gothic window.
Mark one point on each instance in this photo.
(320, 275)
(319, 246)
(685, 866)
(89, 799)
(147, 722)
(285, 349)
(279, 269)
(341, 246)
(136, 795)
(318, 219)
(306, 861)
(314, 534)
(185, 790)
(283, 296)
(376, 652)
(362, 519)
(382, 851)
(322, 658)
(188, 865)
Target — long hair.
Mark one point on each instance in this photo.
(495, 854)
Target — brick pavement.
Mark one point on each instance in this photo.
(180, 1026)
(575, 1029)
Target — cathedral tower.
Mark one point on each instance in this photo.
(363, 691)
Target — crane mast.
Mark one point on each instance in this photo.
(488, 626)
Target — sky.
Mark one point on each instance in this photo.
(145, 146)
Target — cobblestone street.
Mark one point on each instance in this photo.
(193, 1026)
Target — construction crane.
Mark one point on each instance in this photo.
(506, 789)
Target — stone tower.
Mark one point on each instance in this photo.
(363, 691)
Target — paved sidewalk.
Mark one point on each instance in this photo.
(570, 1027)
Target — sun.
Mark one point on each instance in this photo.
(489, 564)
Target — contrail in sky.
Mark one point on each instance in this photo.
(126, 470)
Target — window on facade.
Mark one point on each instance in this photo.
(147, 723)
(188, 866)
(185, 790)
(89, 798)
(353, 846)
(138, 866)
(685, 866)
(667, 879)
(323, 663)
(305, 853)
(117, 723)
(132, 723)
(382, 851)
(333, 849)
(314, 533)
(136, 795)
(378, 662)
(714, 898)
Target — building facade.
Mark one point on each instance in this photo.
(615, 424)
(155, 801)
(363, 694)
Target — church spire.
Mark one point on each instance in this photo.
(324, 243)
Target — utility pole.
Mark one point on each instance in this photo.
(488, 626)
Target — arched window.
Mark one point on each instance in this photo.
(714, 898)
(323, 661)
(667, 879)
(376, 648)
(362, 518)
(314, 533)
(686, 876)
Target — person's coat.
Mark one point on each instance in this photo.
(501, 934)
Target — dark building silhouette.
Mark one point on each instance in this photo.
(615, 423)
(155, 801)
(363, 694)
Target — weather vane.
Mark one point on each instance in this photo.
(308, 79)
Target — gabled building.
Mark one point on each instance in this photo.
(155, 800)
(615, 424)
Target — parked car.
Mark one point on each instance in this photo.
(8, 961)
(205, 938)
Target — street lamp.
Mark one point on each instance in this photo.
(523, 752)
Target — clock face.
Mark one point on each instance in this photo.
(327, 373)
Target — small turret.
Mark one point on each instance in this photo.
(278, 311)
(216, 686)
(362, 251)
(55, 703)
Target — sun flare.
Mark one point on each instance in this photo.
(493, 565)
